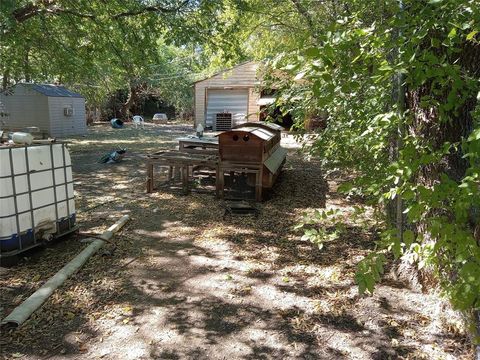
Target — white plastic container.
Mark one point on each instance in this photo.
(22, 138)
(36, 195)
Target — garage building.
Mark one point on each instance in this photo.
(228, 98)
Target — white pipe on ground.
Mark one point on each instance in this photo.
(23, 311)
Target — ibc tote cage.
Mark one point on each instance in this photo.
(25, 240)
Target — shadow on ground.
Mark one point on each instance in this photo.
(180, 282)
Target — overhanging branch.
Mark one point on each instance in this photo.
(148, 9)
(51, 7)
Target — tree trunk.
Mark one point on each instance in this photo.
(131, 100)
(426, 126)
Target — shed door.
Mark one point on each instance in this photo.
(229, 101)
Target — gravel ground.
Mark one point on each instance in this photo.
(181, 281)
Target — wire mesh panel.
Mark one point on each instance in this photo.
(239, 185)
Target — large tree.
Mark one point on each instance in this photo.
(103, 46)
(399, 83)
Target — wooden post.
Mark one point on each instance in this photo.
(258, 184)
(220, 182)
(149, 177)
(184, 170)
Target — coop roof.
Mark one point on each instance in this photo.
(275, 160)
(259, 132)
(260, 124)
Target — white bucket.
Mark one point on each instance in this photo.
(22, 138)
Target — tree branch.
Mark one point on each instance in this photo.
(304, 12)
(58, 11)
(30, 10)
(50, 7)
(148, 9)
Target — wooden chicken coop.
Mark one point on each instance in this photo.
(253, 152)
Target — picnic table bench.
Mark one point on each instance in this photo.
(180, 160)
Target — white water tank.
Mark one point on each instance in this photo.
(36, 196)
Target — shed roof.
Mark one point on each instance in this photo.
(53, 90)
(46, 89)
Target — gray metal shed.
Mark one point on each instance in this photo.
(54, 109)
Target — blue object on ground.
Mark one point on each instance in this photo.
(116, 123)
(113, 157)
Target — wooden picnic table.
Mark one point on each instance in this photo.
(180, 160)
(194, 145)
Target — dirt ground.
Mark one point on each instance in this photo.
(181, 281)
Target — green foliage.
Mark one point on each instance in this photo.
(369, 272)
(320, 227)
(99, 47)
(348, 68)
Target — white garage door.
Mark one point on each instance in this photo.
(230, 101)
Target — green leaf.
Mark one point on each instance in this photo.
(475, 135)
(452, 33)
(298, 226)
(471, 35)
(408, 237)
(305, 237)
(312, 52)
(385, 67)
(369, 283)
(345, 187)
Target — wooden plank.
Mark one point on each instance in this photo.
(149, 177)
(204, 146)
(220, 184)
